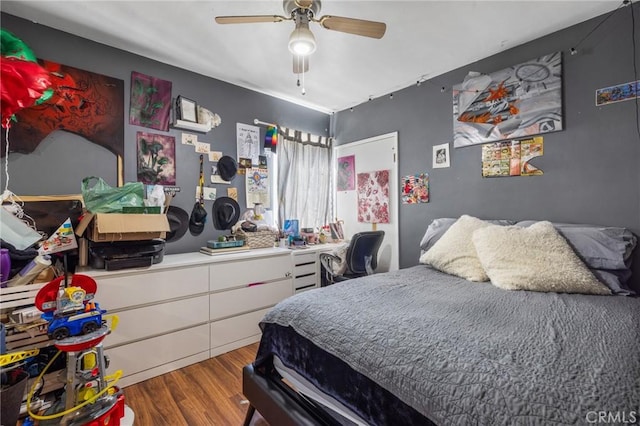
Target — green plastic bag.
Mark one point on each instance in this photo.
(103, 198)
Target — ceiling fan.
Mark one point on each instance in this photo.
(302, 43)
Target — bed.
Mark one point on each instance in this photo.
(420, 346)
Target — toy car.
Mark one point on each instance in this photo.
(74, 324)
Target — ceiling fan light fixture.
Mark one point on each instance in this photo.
(301, 41)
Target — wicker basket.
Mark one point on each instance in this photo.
(258, 239)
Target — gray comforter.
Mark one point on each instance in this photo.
(466, 353)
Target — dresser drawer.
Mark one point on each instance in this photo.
(310, 268)
(233, 302)
(249, 271)
(309, 280)
(154, 320)
(300, 258)
(150, 353)
(236, 328)
(122, 291)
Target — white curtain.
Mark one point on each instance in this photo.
(304, 178)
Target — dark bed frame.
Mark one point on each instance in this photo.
(277, 402)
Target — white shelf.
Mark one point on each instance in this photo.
(188, 125)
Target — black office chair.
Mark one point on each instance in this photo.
(361, 258)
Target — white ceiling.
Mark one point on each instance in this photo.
(423, 39)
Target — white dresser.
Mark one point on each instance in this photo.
(189, 307)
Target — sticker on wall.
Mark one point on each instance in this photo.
(619, 93)
(202, 147)
(232, 193)
(189, 139)
(415, 189)
(522, 100)
(248, 141)
(346, 173)
(150, 102)
(209, 194)
(257, 187)
(373, 197)
(512, 158)
(156, 159)
(243, 165)
(262, 161)
(214, 156)
(441, 156)
(215, 176)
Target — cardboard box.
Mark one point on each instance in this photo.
(109, 227)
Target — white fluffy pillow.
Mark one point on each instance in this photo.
(536, 258)
(455, 254)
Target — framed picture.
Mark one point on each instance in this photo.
(187, 109)
(441, 156)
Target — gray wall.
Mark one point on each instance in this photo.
(591, 169)
(63, 159)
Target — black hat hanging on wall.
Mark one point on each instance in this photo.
(227, 167)
(225, 213)
(198, 214)
(178, 223)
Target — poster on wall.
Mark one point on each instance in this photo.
(156, 159)
(512, 158)
(346, 173)
(85, 103)
(257, 186)
(150, 102)
(248, 140)
(441, 156)
(618, 93)
(373, 197)
(415, 189)
(519, 101)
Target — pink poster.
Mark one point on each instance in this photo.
(346, 173)
(373, 197)
(156, 159)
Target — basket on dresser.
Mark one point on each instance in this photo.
(257, 239)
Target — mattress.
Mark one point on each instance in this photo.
(301, 385)
(417, 344)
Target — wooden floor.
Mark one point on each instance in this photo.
(203, 394)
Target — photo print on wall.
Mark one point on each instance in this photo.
(415, 189)
(373, 197)
(440, 156)
(150, 102)
(346, 173)
(519, 101)
(156, 159)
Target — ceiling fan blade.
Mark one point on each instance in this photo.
(300, 64)
(250, 19)
(353, 26)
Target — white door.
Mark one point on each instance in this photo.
(373, 154)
